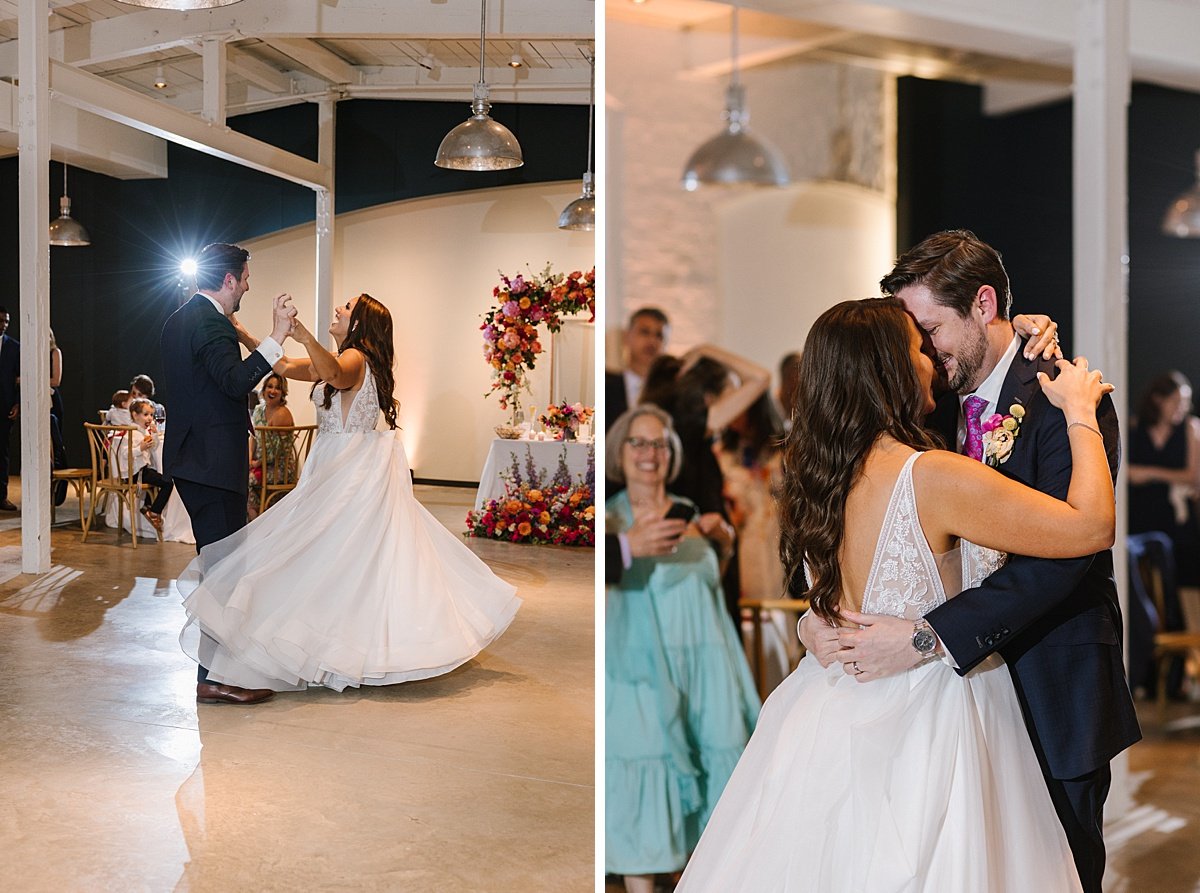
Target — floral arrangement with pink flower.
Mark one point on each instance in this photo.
(510, 329)
(567, 416)
(558, 511)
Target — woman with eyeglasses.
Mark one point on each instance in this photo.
(680, 703)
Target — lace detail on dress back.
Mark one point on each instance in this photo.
(905, 579)
(364, 409)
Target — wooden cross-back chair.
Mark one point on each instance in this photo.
(104, 441)
(290, 445)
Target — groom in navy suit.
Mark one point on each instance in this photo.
(1056, 622)
(205, 452)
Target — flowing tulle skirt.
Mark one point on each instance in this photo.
(346, 581)
(925, 781)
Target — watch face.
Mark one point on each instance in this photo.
(924, 641)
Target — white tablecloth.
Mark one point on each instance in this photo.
(177, 526)
(545, 454)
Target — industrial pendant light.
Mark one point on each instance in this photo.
(179, 4)
(66, 230)
(733, 156)
(581, 213)
(1183, 217)
(479, 143)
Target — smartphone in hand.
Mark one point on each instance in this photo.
(682, 512)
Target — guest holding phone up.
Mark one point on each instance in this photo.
(680, 702)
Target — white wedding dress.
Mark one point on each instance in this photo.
(347, 580)
(924, 781)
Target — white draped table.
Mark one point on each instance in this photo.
(545, 455)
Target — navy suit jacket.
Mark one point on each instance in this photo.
(615, 399)
(1056, 622)
(207, 379)
(10, 371)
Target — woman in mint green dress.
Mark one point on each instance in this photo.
(680, 702)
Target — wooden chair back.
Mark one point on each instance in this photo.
(104, 442)
(289, 447)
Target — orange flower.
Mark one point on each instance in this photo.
(523, 303)
(524, 528)
(534, 495)
(512, 507)
(589, 512)
(501, 525)
(544, 519)
(575, 497)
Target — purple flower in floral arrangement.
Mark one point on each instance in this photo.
(489, 332)
(511, 308)
(518, 285)
(512, 340)
(992, 422)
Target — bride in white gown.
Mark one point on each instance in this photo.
(923, 781)
(348, 580)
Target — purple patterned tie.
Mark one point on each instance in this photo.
(972, 410)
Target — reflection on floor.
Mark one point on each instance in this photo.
(112, 779)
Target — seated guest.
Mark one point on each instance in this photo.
(145, 458)
(272, 412)
(118, 413)
(142, 388)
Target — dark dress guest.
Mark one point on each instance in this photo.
(1164, 457)
(10, 399)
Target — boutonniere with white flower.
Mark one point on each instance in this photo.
(1000, 435)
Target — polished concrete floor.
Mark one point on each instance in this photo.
(111, 777)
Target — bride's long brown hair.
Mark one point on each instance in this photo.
(370, 331)
(857, 382)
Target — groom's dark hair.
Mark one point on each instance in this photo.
(953, 265)
(217, 259)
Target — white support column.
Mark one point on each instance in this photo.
(33, 119)
(214, 81)
(326, 133)
(1101, 245)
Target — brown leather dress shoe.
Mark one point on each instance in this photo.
(216, 693)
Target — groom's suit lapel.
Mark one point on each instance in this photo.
(1020, 386)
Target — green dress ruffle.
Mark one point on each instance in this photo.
(680, 703)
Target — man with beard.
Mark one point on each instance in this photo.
(205, 452)
(645, 339)
(1056, 623)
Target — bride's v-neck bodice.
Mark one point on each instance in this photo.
(363, 414)
(907, 579)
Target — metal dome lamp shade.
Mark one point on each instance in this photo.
(581, 213)
(479, 143)
(181, 5)
(66, 230)
(735, 157)
(1183, 217)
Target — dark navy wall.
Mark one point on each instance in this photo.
(109, 300)
(1008, 178)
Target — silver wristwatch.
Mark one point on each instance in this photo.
(924, 639)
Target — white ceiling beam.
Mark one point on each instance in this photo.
(320, 61)
(98, 96)
(1161, 32)
(155, 30)
(84, 140)
(257, 72)
(213, 54)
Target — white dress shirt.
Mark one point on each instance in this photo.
(989, 389)
(268, 347)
